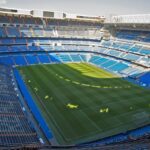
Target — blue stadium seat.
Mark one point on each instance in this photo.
(4, 49)
(54, 58)
(43, 58)
(13, 32)
(15, 128)
(6, 41)
(108, 64)
(6, 60)
(119, 67)
(65, 57)
(31, 59)
(19, 60)
(75, 57)
(2, 32)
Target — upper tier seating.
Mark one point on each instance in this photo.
(29, 20)
(13, 32)
(143, 36)
(5, 19)
(48, 32)
(2, 32)
(130, 51)
(20, 20)
(134, 52)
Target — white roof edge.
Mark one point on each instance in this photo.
(131, 15)
(28, 10)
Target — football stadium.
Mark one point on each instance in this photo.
(74, 81)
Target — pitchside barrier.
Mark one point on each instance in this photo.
(32, 105)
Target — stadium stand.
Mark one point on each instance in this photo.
(31, 59)
(43, 58)
(14, 128)
(145, 78)
(143, 36)
(46, 41)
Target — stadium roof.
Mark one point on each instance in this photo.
(48, 13)
(137, 18)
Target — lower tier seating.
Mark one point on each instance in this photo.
(15, 129)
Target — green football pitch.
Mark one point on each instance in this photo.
(81, 102)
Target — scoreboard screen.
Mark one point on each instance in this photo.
(48, 14)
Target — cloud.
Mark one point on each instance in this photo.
(3, 2)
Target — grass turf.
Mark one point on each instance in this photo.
(81, 102)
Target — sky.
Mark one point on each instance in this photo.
(84, 7)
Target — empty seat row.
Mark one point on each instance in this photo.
(15, 128)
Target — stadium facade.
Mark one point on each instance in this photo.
(31, 37)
